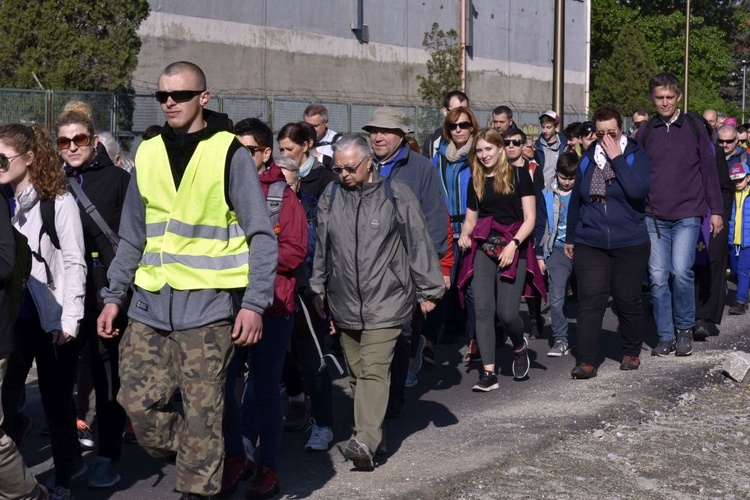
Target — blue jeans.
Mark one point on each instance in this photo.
(262, 414)
(559, 270)
(671, 262)
(739, 262)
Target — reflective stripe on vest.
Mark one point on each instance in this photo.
(193, 239)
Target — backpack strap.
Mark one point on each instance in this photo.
(90, 209)
(274, 200)
(47, 208)
(332, 194)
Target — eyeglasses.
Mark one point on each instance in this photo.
(461, 125)
(514, 142)
(255, 149)
(177, 95)
(726, 141)
(338, 169)
(612, 133)
(80, 140)
(5, 161)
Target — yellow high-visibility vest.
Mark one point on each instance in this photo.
(193, 240)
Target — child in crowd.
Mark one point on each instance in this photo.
(739, 235)
(550, 230)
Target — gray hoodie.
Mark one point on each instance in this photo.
(170, 309)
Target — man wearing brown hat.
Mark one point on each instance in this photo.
(392, 157)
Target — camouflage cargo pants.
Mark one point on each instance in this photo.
(153, 363)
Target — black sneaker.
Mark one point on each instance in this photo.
(664, 348)
(521, 361)
(487, 382)
(738, 308)
(684, 342)
(700, 332)
(359, 454)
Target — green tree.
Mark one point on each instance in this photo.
(70, 44)
(621, 79)
(443, 68)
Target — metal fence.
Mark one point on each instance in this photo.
(128, 115)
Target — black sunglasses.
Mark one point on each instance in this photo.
(726, 141)
(5, 161)
(177, 95)
(461, 125)
(515, 142)
(80, 140)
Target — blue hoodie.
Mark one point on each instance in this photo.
(620, 221)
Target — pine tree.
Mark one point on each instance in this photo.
(443, 68)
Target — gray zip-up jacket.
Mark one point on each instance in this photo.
(170, 309)
(371, 257)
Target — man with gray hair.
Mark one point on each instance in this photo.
(728, 141)
(317, 116)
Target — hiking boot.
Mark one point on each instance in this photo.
(298, 415)
(700, 332)
(664, 348)
(236, 470)
(473, 353)
(738, 308)
(487, 382)
(630, 363)
(359, 454)
(521, 361)
(583, 371)
(536, 327)
(104, 474)
(558, 349)
(85, 436)
(320, 437)
(265, 484)
(684, 342)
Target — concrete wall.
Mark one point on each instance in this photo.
(306, 49)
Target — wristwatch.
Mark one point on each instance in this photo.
(518, 243)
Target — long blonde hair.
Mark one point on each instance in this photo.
(503, 170)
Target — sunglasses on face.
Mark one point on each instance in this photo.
(726, 141)
(80, 140)
(5, 161)
(255, 149)
(177, 95)
(461, 125)
(514, 142)
(612, 133)
(338, 169)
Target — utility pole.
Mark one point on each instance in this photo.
(558, 80)
(687, 57)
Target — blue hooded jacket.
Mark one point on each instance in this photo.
(455, 178)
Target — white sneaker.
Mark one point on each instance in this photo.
(320, 437)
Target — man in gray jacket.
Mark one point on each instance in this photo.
(185, 263)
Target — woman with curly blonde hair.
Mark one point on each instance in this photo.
(52, 307)
(500, 216)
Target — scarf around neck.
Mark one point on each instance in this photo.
(306, 167)
(453, 155)
(603, 174)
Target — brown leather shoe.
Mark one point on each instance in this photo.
(265, 484)
(236, 470)
(630, 363)
(583, 371)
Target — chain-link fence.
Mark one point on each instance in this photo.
(127, 116)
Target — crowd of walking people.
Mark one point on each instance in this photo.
(184, 292)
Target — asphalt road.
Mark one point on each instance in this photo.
(448, 434)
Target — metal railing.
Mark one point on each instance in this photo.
(128, 115)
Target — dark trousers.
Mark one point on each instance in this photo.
(56, 369)
(103, 355)
(602, 273)
(711, 280)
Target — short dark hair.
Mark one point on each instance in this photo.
(567, 164)
(573, 130)
(515, 131)
(665, 79)
(586, 128)
(256, 128)
(455, 93)
(503, 110)
(311, 133)
(295, 132)
(605, 113)
(640, 111)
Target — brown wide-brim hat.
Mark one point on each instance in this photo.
(387, 117)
